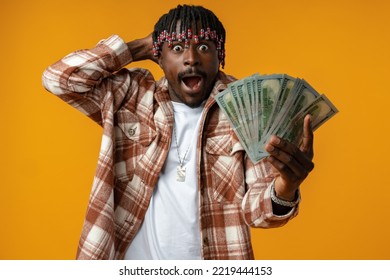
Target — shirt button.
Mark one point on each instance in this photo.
(131, 131)
(206, 241)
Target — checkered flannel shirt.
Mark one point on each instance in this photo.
(136, 114)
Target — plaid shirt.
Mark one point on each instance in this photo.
(136, 114)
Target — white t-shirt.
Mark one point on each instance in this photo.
(171, 227)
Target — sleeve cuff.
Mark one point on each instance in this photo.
(269, 191)
(119, 50)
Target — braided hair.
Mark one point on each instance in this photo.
(194, 22)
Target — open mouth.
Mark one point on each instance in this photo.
(192, 82)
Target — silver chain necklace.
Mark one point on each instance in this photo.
(181, 170)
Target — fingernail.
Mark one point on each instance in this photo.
(269, 148)
(275, 139)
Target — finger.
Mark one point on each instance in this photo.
(287, 163)
(278, 146)
(284, 171)
(307, 138)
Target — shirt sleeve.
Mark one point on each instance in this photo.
(257, 203)
(83, 77)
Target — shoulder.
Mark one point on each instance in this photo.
(225, 78)
(221, 83)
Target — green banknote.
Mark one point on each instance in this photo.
(268, 88)
(261, 105)
(280, 99)
(321, 110)
(251, 97)
(246, 109)
(226, 102)
(301, 96)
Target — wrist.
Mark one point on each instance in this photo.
(283, 191)
(288, 200)
(141, 49)
(288, 196)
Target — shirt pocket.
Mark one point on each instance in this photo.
(132, 140)
(226, 168)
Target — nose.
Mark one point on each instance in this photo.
(191, 57)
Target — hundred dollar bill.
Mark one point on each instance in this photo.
(246, 113)
(303, 96)
(286, 85)
(321, 110)
(226, 101)
(251, 96)
(268, 88)
(259, 106)
(240, 109)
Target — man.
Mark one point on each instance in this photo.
(173, 181)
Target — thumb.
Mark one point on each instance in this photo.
(307, 138)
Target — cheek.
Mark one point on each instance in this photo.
(170, 73)
(169, 64)
(212, 63)
(213, 69)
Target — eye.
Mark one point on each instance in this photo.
(177, 48)
(203, 47)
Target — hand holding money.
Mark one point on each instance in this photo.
(260, 106)
(292, 164)
(274, 116)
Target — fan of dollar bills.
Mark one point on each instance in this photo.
(260, 106)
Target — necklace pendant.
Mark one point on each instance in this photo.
(181, 173)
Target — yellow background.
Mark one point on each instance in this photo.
(49, 150)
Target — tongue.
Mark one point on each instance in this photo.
(191, 82)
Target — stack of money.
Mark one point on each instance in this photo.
(260, 106)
